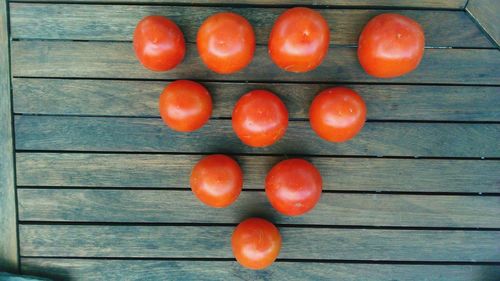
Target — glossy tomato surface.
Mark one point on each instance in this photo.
(226, 42)
(337, 114)
(299, 40)
(256, 243)
(294, 186)
(217, 180)
(391, 45)
(260, 118)
(159, 43)
(185, 105)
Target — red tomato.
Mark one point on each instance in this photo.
(226, 42)
(185, 105)
(391, 45)
(299, 40)
(260, 118)
(337, 114)
(293, 186)
(159, 43)
(217, 180)
(256, 243)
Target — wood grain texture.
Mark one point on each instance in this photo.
(140, 98)
(486, 12)
(217, 136)
(105, 22)
(117, 60)
(45, 177)
(8, 219)
(214, 242)
(167, 171)
(443, 4)
(88, 269)
(173, 206)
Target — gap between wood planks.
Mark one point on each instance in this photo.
(283, 225)
(257, 44)
(258, 154)
(278, 260)
(241, 5)
(289, 119)
(260, 81)
(338, 191)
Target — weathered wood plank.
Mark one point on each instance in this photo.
(214, 242)
(166, 171)
(140, 98)
(150, 134)
(104, 22)
(443, 4)
(88, 269)
(486, 12)
(174, 206)
(8, 221)
(117, 60)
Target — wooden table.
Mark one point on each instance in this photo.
(96, 187)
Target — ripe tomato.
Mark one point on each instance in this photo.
(260, 118)
(185, 105)
(337, 114)
(217, 180)
(226, 42)
(391, 45)
(256, 243)
(159, 43)
(293, 186)
(299, 40)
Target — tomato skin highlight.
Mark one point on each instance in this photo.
(391, 45)
(337, 114)
(185, 105)
(260, 118)
(217, 180)
(159, 43)
(294, 186)
(226, 42)
(256, 243)
(299, 40)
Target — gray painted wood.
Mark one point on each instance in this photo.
(88, 269)
(445, 4)
(150, 134)
(140, 98)
(104, 22)
(117, 60)
(173, 206)
(167, 171)
(298, 243)
(8, 220)
(486, 12)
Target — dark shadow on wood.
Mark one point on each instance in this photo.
(8, 218)
(51, 273)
